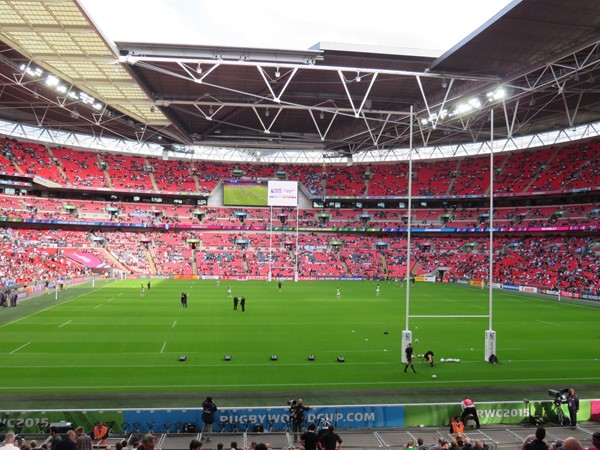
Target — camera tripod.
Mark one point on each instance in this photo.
(561, 419)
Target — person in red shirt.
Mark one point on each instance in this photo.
(468, 409)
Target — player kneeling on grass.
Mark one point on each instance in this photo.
(428, 356)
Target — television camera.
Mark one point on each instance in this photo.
(559, 395)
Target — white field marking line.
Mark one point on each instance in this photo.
(332, 363)
(46, 309)
(453, 316)
(98, 306)
(349, 383)
(118, 295)
(67, 322)
(110, 299)
(549, 323)
(22, 346)
(174, 324)
(163, 347)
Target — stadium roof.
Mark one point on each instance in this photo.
(536, 64)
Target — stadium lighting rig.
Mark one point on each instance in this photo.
(468, 106)
(61, 87)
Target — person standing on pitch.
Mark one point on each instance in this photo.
(235, 303)
(377, 291)
(243, 303)
(409, 353)
(573, 406)
(338, 293)
(468, 409)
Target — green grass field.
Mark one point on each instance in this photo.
(109, 340)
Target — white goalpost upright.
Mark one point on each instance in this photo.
(283, 194)
(490, 334)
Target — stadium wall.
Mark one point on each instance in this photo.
(277, 418)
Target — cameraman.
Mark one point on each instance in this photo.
(297, 417)
(209, 408)
(573, 406)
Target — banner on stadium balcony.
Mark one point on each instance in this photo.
(590, 296)
(87, 260)
(277, 419)
(477, 283)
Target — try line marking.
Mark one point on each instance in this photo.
(67, 322)
(46, 309)
(22, 346)
(163, 347)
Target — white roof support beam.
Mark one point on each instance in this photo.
(357, 112)
(289, 77)
(322, 135)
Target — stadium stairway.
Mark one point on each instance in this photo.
(194, 262)
(56, 162)
(113, 260)
(540, 172)
(151, 262)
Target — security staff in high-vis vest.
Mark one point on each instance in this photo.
(100, 434)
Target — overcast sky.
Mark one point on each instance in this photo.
(295, 25)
